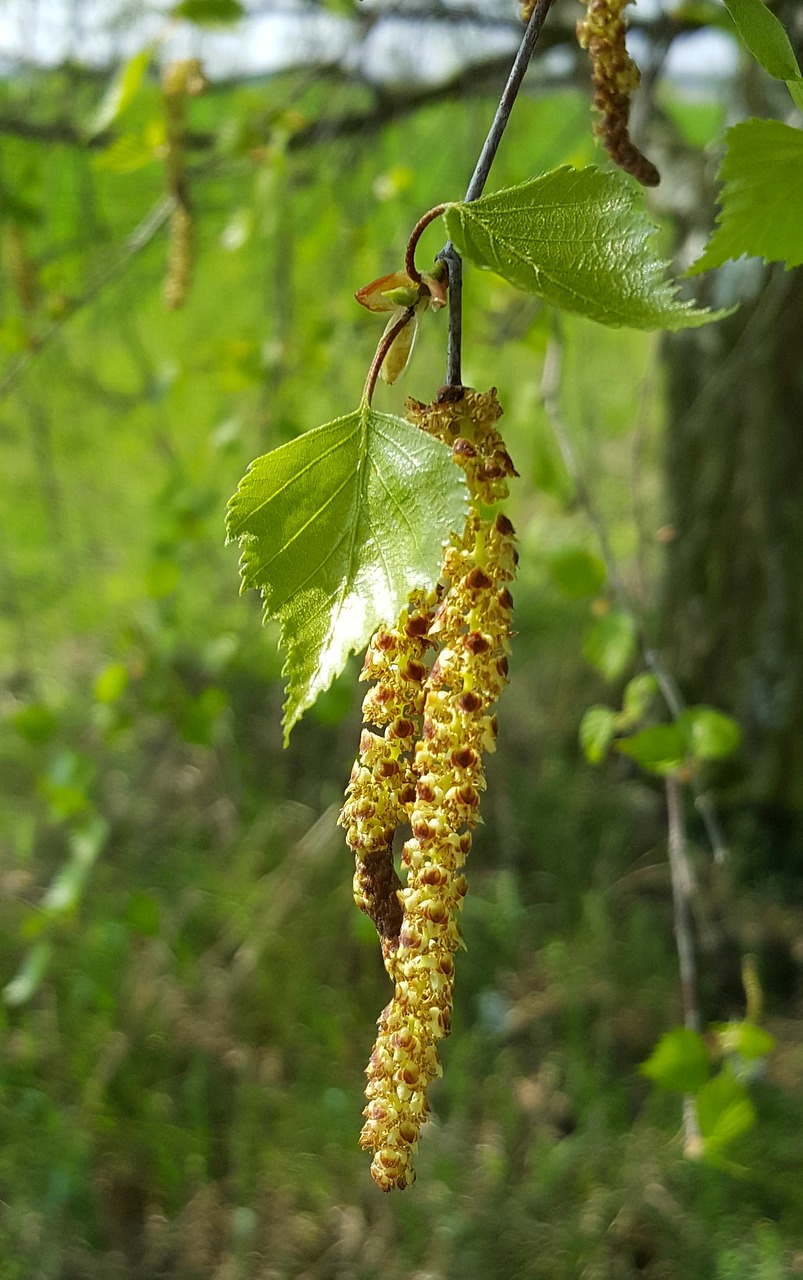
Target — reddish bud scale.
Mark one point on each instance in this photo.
(615, 76)
(472, 627)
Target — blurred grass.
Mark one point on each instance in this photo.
(181, 1090)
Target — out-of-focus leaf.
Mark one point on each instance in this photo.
(209, 13)
(597, 729)
(610, 643)
(710, 734)
(121, 92)
(577, 572)
(28, 979)
(724, 1111)
(660, 749)
(132, 151)
(679, 1062)
(36, 723)
(112, 682)
(639, 693)
(745, 1038)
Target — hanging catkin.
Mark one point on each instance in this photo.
(615, 76)
(440, 790)
(179, 79)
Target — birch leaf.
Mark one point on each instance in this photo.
(336, 529)
(579, 239)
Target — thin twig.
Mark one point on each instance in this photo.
(380, 355)
(415, 235)
(476, 186)
(142, 235)
(550, 384)
(682, 878)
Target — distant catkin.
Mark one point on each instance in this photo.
(180, 78)
(472, 627)
(615, 76)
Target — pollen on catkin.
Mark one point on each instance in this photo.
(615, 76)
(382, 784)
(471, 626)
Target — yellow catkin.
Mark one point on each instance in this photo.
(615, 76)
(472, 627)
(382, 784)
(180, 79)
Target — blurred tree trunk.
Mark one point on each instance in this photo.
(733, 605)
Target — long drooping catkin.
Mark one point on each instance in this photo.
(471, 627)
(615, 76)
(382, 785)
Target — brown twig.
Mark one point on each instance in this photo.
(415, 235)
(381, 352)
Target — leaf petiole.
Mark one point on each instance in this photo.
(380, 355)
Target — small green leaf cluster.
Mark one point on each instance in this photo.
(714, 1069)
(698, 735)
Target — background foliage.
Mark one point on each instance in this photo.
(191, 993)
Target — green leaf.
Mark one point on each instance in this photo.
(639, 693)
(35, 723)
(745, 1038)
(28, 979)
(121, 92)
(579, 239)
(679, 1062)
(661, 749)
(762, 198)
(610, 643)
(709, 734)
(597, 728)
(764, 37)
(577, 573)
(112, 682)
(209, 13)
(724, 1111)
(337, 528)
(132, 151)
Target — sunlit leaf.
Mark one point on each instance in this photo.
(639, 693)
(579, 239)
(121, 92)
(762, 198)
(597, 729)
(679, 1062)
(745, 1038)
(724, 1111)
(710, 734)
(336, 528)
